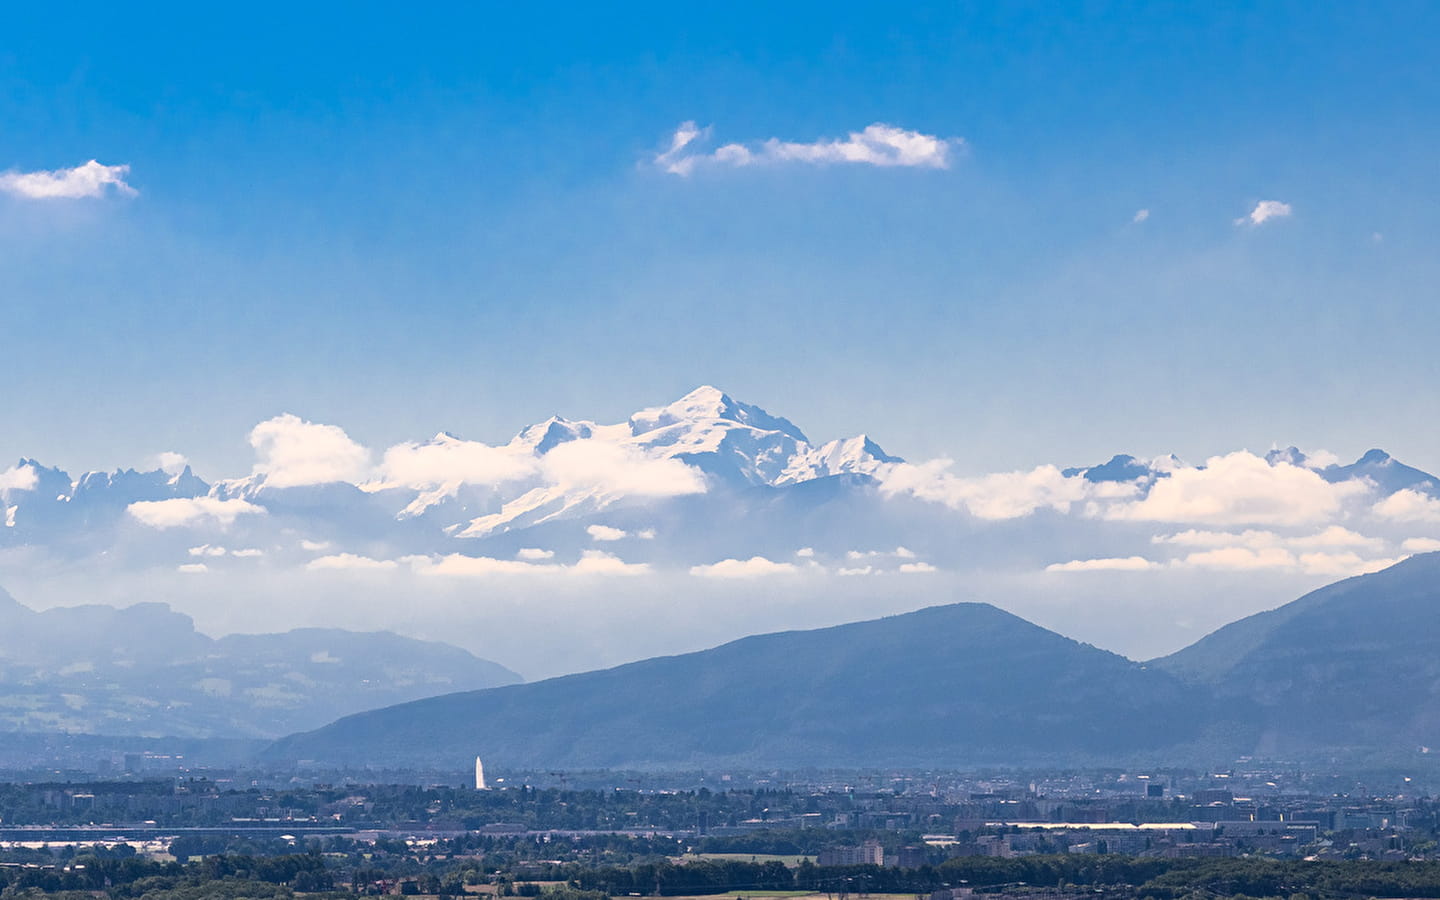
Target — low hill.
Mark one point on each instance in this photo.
(963, 684)
(1352, 665)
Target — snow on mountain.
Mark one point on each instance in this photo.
(854, 456)
(708, 404)
(729, 443)
(705, 458)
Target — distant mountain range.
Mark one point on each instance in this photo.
(1349, 668)
(692, 482)
(145, 670)
(682, 526)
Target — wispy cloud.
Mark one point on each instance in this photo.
(89, 180)
(877, 145)
(1264, 211)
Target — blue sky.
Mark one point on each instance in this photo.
(402, 222)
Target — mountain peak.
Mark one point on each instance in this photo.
(1374, 457)
(1291, 455)
(544, 436)
(707, 404)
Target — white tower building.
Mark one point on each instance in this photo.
(479, 775)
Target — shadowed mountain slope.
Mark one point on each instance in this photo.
(1354, 664)
(949, 685)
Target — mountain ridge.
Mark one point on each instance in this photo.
(145, 670)
(829, 696)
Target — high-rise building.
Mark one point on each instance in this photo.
(479, 775)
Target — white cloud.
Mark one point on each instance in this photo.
(90, 180)
(469, 566)
(606, 533)
(1264, 211)
(646, 534)
(673, 159)
(1420, 545)
(754, 567)
(898, 553)
(917, 568)
(1341, 564)
(19, 478)
(1408, 506)
(447, 460)
(1112, 564)
(170, 462)
(618, 469)
(1332, 537)
(1200, 538)
(351, 562)
(193, 568)
(856, 570)
(534, 553)
(1335, 537)
(247, 553)
(806, 553)
(1242, 558)
(315, 546)
(294, 452)
(182, 511)
(591, 562)
(1140, 216)
(1241, 488)
(596, 562)
(1004, 495)
(1278, 558)
(207, 550)
(877, 145)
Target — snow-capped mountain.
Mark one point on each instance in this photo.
(704, 497)
(709, 475)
